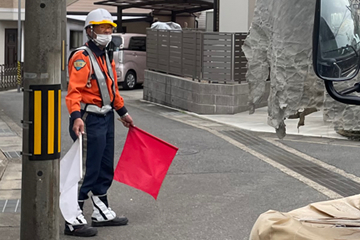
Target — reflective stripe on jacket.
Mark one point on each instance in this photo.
(80, 91)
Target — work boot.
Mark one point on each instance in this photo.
(103, 215)
(117, 221)
(79, 228)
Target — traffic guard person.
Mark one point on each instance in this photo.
(92, 96)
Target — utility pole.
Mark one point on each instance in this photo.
(63, 48)
(41, 120)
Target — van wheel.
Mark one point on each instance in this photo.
(130, 80)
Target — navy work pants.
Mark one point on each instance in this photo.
(100, 154)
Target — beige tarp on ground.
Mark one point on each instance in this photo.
(330, 220)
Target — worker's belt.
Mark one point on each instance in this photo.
(90, 108)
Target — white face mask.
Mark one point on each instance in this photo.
(103, 39)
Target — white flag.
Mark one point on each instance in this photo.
(70, 175)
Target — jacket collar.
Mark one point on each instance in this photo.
(95, 49)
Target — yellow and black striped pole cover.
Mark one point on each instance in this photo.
(45, 116)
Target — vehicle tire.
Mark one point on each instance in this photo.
(130, 80)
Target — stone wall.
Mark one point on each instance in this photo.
(198, 97)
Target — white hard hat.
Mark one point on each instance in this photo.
(99, 16)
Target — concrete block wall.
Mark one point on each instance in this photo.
(193, 96)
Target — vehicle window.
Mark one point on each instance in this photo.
(117, 42)
(137, 44)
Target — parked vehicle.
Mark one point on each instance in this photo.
(130, 58)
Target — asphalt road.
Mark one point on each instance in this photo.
(214, 190)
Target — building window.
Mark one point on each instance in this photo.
(76, 39)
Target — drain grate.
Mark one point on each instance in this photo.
(12, 154)
(10, 206)
(337, 183)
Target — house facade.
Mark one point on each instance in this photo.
(234, 16)
(135, 21)
(9, 20)
(9, 31)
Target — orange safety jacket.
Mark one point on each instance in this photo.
(83, 90)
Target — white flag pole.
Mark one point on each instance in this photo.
(81, 150)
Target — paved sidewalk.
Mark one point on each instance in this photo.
(10, 159)
(314, 124)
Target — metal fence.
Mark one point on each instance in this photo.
(174, 52)
(9, 77)
(214, 57)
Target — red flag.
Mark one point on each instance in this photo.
(144, 161)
